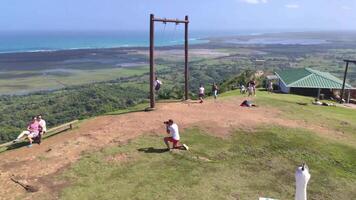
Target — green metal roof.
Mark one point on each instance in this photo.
(310, 78)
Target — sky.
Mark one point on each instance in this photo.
(102, 15)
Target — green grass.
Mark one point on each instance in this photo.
(39, 82)
(338, 119)
(245, 166)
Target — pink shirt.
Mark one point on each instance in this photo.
(34, 126)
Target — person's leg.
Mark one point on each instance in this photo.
(29, 137)
(175, 144)
(215, 94)
(166, 141)
(22, 135)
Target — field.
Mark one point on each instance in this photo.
(251, 153)
(22, 73)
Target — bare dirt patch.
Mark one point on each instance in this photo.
(219, 117)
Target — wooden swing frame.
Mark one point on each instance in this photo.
(152, 64)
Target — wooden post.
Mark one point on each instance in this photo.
(343, 83)
(152, 69)
(186, 73)
(318, 97)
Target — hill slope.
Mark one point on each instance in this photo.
(268, 137)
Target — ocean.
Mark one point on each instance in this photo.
(52, 41)
(25, 41)
(11, 42)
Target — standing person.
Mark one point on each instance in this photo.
(31, 132)
(214, 90)
(270, 86)
(157, 84)
(250, 90)
(172, 129)
(242, 89)
(42, 123)
(201, 93)
(252, 84)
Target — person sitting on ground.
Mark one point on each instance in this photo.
(172, 129)
(201, 93)
(317, 102)
(247, 103)
(214, 90)
(157, 84)
(31, 132)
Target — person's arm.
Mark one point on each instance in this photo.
(167, 130)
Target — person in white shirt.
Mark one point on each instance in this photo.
(173, 130)
(201, 93)
(42, 123)
(157, 84)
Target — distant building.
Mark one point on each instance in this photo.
(310, 82)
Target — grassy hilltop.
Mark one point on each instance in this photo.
(244, 165)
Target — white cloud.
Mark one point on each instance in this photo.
(292, 6)
(254, 1)
(346, 7)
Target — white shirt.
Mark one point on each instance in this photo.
(173, 130)
(43, 125)
(201, 90)
(157, 82)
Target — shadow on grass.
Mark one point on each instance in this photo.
(153, 150)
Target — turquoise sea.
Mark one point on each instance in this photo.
(64, 40)
(25, 41)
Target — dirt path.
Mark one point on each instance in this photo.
(39, 164)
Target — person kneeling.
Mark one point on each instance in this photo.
(172, 129)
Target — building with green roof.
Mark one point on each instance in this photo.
(309, 82)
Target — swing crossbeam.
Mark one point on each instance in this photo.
(152, 68)
(165, 20)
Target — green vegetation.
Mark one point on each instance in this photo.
(77, 102)
(64, 105)
(340, 120)
(19, 82)
(245, 166)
